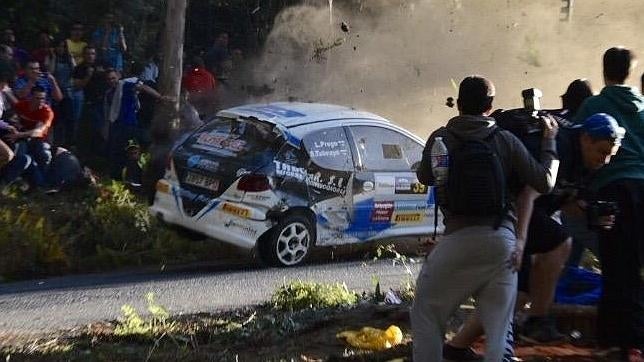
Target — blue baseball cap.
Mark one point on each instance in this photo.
(603, 126)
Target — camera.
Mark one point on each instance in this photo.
(597, 210)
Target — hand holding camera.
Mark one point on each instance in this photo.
(602, 215)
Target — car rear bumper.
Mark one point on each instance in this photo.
(230, 222)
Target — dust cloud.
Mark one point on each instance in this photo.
(403, 58)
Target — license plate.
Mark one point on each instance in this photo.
(202, 181)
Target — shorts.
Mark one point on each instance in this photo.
(544, 234)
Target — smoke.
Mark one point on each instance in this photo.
(402, 59)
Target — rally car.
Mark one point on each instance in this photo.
(282, 178)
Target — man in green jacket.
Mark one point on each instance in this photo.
(621, 307)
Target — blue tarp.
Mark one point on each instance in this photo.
(578, 286)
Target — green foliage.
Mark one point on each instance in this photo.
(28, 245)
(300, 295)
(132, 324)
(99, 228)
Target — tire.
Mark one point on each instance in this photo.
(290, 242)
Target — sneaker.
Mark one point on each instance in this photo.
(541, 330)
(454, 354)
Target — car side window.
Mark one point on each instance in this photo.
(382, 149)
(329, 148)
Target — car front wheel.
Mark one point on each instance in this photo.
(290, 243)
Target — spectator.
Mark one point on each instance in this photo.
(620, 314)
(460, 266)
(200, 85)
(75, 43)
(88, 82)
(121, 106)
(109, 39)
(36, 118)
(20, 56)
(576, 93)
(150, 73)
(61, 66)
(583, 149)
(35, 77)
(11, 165)
(44, 52)
(218, 58)
(6, 58)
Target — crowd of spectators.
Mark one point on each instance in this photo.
(82, 95)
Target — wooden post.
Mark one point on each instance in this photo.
(171, 66)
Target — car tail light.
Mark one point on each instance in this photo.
(254, 183)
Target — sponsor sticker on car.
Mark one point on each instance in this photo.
(236, 210)
(404, 218)
(206, 182)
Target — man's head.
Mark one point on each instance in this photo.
(112, 77)
(38, 97)
(578, 90)
(197, 62)
(475, 96)
(6, 52)
(89, 55)
(109, 19)
(76, 32)
(222, 39)
(44, 39)
(32, 69)
(9, 37)
(618, 63)
(600, 139)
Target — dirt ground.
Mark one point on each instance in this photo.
(256, 335)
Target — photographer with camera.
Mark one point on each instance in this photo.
(583, 149)
(620, 314)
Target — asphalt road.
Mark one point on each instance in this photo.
(62, 303)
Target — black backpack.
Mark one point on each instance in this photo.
(476, 183)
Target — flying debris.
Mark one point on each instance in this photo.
(345, 27)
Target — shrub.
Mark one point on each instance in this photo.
(28, 245)
(299, 295)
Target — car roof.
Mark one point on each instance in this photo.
(292, 114)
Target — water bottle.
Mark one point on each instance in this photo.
(440, 167)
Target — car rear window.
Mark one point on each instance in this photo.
(243, 139)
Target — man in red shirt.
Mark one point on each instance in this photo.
(200, 85)
(36, 118)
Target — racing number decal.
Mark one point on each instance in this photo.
(418, 188)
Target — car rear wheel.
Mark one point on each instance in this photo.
(290, 243)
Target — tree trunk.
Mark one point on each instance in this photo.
(166, 122)
(171, 65)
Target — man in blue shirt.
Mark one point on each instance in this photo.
(34, 77)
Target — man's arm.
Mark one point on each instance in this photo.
(6, 154)
(151, 91)
(56, 93)
(541, 176)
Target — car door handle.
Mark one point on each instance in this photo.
(367, 186)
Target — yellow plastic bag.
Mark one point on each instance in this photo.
(373, 338)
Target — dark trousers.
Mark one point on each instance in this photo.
(621, 307)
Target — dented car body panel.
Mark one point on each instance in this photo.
(349, 171)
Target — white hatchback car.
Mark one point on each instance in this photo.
(285, 177)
